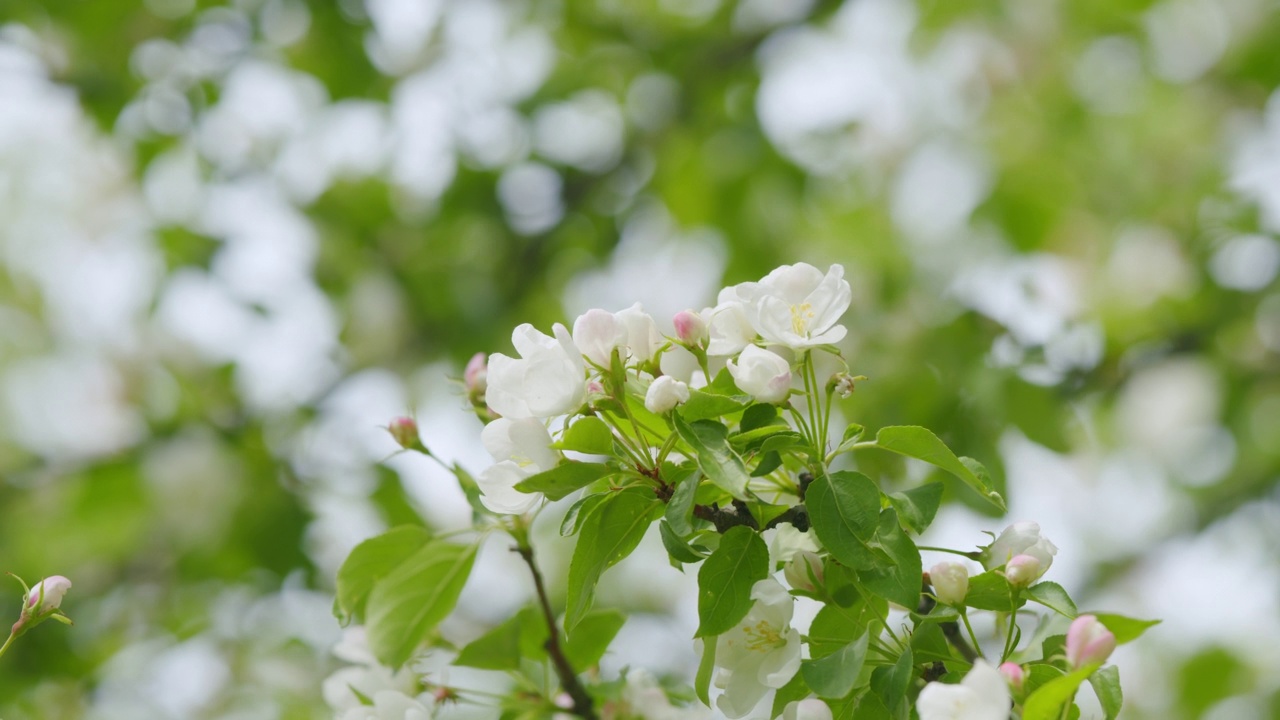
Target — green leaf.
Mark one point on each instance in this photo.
(564, 478)
(1106, 685)
(726, 578)
(717, 460)
(918, 506)
(503, 647)
(991, 591)
(1047, 701)
(589, 435)
(1038, 674)
(722, 384)
(929, 644)
(900, 580)
(780, 442)
(373, 560)
(794, 690)
(746, 439)
(921, 444)
(844, 509)
(769, 462)
(680, 506)
(608, 535)
(471, 491)
(834, 626)
(758, 415)
(852, 433)
(702, 681)
(835, 675)
(705, 406)
(405, 606)
(1052, 596)
(890, 681)
(1126, 629)
(594, 633)
(677, 548)
(579, 512)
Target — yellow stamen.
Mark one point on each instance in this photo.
(800, 316)
(763, 636)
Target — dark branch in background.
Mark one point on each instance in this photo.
(582, 704)
(950, 630)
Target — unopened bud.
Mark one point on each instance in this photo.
(47, 595)
(595, 392)
(476, 377)
(804, 571)
(808, 709)
(691, 329)
(950, 582)
(405, 432)
(1088, 642)
(1014, 673)
(665, 393)
(1023, 570)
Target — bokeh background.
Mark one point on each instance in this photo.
(238, 237)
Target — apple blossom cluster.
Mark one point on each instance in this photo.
(722, 438)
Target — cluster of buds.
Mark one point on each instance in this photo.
(41, 603)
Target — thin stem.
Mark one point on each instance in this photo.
(7, 643)
(973, 638)
(1008, 641)
(970, 555)
(582, 704)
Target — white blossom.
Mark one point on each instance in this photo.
(390, 705)
(1021, 538)
(728, 324)
(761, 652)
(521, 448)
(762, 374)
(597, 333)
(643, 338)
(982, 695)
(797, 306)
(548, 379)
(646, 700)
(664, 394)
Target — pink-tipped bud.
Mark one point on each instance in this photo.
(1088, 642)
(1014, 673)
(47, 594)
(476, 376)
(1022, 570)
(950, 582)
(405, 432)
(691, 329)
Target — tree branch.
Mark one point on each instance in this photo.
(582, 704)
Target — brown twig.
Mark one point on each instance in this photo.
(582, 704)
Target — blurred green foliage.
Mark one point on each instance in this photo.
(1065, 180)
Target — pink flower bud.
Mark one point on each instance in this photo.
(950, 582)
(405, 432)
(53, 588)
(476, 376)
(1088, 642)
(691, 329)
(1014, 673)
(1022, 570)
